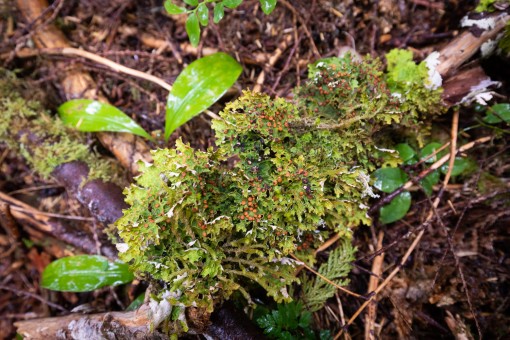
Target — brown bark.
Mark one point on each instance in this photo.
(127, 148)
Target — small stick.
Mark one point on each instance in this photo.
(325, 278)
(372, 285)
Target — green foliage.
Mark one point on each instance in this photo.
(413, 85)
(396, 209)
(316, 291)
(497, 113)
(289, 322)
(199, 86)
(485, 6)
(88, 115)
(43, 141)
(390, 179)
(84, 273)
(136, 303)
(206, 228)
(198, 14)
(196, 88)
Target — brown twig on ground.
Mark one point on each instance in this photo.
(458, 51)
(372, 286)
(28, 216)
(272, 61)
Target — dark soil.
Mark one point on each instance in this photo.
(458, 276)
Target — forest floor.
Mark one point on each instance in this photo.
(455, 283)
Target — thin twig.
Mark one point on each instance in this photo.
(107, 62)
(35, 296)
(326, 279)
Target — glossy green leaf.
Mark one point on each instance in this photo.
(92, 116)
(389, 179)
(268, 6)
(429, 181)
(406, 153)
(429, 149)
(203, 14)
(396, 209)
(498, 113)
(193, 29)
(232, 3)
(136, 303)
(84, 273)
(461, 166)
(172, 8)
(191, 2)
(198, 86)
(219, 12)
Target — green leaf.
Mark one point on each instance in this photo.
(429, 181)
(429, 149)
(268, 6)
(219, 12)
(397, 208)
(406, 153)
(193, 29)
(172, 8)
(498, 113)
(92, 116)
(232, 3)
(198, 86)
(84, 273)
(203, 14)
(191, 2)
(389, 179)
(136, 303)
(461, 165)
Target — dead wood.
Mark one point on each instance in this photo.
(83, 240)
(127, 148)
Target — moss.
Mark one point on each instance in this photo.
(206, 229)
(43, 140)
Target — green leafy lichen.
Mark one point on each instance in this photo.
(284, 176)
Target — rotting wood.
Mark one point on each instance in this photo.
(126, 147)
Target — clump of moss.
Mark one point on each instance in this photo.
(205, 229)
(42, 140)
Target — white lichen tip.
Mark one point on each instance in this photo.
(160, 311)
(484, 23)
(435, 80)
(122, 247)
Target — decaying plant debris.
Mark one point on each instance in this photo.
(456, 277)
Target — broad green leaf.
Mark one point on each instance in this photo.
(172, 8)
(198, 86)
(193, 29)
(498, 113)
(232, 3)
(92, 116)
(389, 179)
(429, 149)
(396, 209)
(191, 2)
(219, 12)
(84, 273)
(203, 14)
(460, 165)
(406, 153)
(268, 6)
(136, 303)
(429, 181)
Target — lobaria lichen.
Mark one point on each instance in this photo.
(204, 228)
